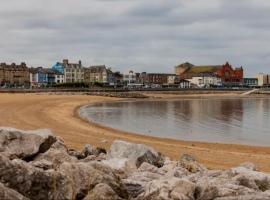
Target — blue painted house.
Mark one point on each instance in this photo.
(59, 67)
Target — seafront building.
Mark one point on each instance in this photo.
(41, 77)
(205, 81)
(73, 72)
(229, 76)
(99, 74)
(263, 79)
(251, 82)
(14, 75)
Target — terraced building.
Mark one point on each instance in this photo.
(14, 75)
(227, 74)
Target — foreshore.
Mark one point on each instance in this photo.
(59, 112)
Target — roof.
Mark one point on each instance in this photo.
(185, 65)
(96, 69)
(205, 69)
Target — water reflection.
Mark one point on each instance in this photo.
(244, 121)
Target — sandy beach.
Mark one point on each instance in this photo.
(59, 112)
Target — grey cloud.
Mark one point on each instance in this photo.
(152, 35)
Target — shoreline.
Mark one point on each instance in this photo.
(59, 112)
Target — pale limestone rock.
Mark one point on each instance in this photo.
(24, 144)
(138, 153)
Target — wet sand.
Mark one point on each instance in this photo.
(59, 112)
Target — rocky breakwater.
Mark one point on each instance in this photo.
(37, 165)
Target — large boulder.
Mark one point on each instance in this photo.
(25, 144)
(85, 177)
(137, 153)
(102, 192)
(33, 182)
(9, 194)
(169, 189)
(57, 154)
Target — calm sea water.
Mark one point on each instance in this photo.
(239, 121)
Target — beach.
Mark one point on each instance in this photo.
(59, 113)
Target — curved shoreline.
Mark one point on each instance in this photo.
(60, 114)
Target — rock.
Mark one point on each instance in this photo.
(32, 182)
(257, 196)
(85, 176)
(191, 165)
(42, 164)
(122, 167)
(25, 144)
(251, 179)
(9, 194)
(187, 157)
(137, 153)
(248, 165)
(173, 188)
(76, 154)
(88, 150)
(57, 154)
(100, 150)
(205, 190)
(102, 192)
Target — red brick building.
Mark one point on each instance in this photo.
(228, 74)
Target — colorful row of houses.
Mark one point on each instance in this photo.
(185, 75)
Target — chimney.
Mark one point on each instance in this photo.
(65, 61)
(80, 63)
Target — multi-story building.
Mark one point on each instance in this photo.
(228, 75)
(131, 77)
(73, 72)
(99, 74)
(251, 82)
(43, 76)
(263, 79)
(14, 75)
(155, 78)
(205, 81)
(118, 78)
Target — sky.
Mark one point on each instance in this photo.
(139, 35)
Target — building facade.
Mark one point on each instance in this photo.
(99, 74)
(131, 77)
(251, 82)
(228, 74)
(263, 79)
(14, 75)
(40, 77)
(155, 78)
(73, 72)
(205, 81)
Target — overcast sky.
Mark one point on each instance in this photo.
(143, 35)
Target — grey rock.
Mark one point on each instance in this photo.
(85, 176)
(42, 164)
(25, 144)
(9, 194)
(32, 182)
(102, 192)
(187, 157)
(57, 154)
(88, 150)
(138, 153)
(171, 189)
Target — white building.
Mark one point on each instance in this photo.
(206, 81)
(73, 72)
(263, 79)
(131, 77)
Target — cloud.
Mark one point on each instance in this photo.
(152, 35)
